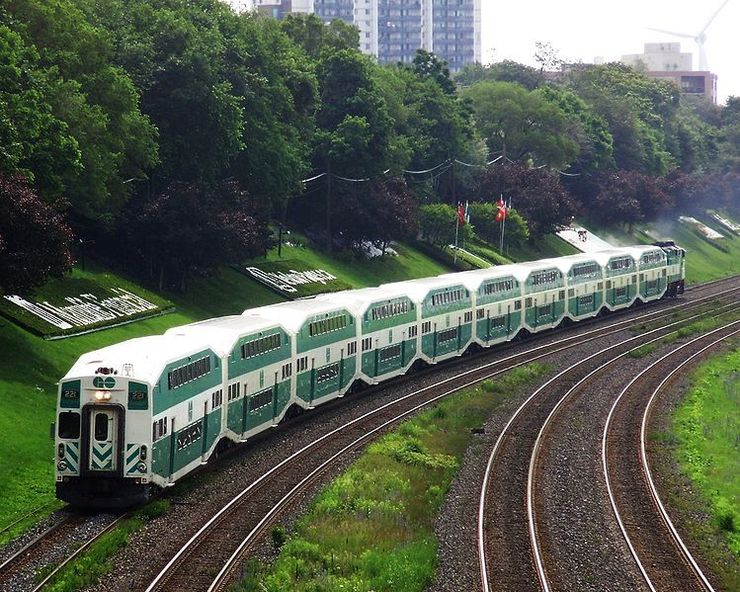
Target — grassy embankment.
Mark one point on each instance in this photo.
(31, 366)
(702, 441)
(371, 529)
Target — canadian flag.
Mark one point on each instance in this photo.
(460, 213)
(501, 213)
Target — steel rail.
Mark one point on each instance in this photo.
(482, 556)
(605, 464)
(78, 552)
(33, 543)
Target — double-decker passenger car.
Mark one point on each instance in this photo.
(139, 415)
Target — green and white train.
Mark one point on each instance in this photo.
(137, 416)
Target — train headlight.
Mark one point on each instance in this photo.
(142, 452)
(62, 465)
(102, 396)
(142, 467)
(60, 451)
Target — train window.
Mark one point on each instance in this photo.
(394, 351)
(69, 425)
(498, 322)
(480, 313)
(413, 329)
(101, 427)
(468, 317)
(447, 335)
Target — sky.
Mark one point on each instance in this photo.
(581, 30)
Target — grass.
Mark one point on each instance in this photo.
(359, 272)
(371, 529)
(89, 281)
(705, 430)
(302, 290)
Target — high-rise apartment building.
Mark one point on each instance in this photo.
(392, 30)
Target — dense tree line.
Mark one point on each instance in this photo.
(172, 133)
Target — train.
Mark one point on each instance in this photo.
(136, 417)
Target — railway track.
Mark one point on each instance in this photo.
(221, 541)
(509, 551)
(663, 559)
(18, 571)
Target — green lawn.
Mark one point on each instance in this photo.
(707, 425)
(372, 528)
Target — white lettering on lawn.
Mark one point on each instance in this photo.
(285, 282)
(86, 309)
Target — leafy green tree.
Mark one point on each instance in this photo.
(315, 36)
(355, 136)
(483, 219)
(33, 141)
(34, 239)
(729, 136)
(428, 65)
(505, 71)
(521, 124)
(95, 99)
(437, 223)
(638, 111)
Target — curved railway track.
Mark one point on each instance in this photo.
(663, 559)
(509, 551)
(222, 542)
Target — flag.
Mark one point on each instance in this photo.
(501, 213)
(460, 213)
(467, 214)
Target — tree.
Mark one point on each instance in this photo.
(437, 223)
(639, 111)
(95, 99)
(380, 212)
(315, 37)
(520, 124)
(194, 228)
(34, 141)
(428, 65)
(505, 71)
(34, 239)
(547, 57)
(537, 195)
(483, 219)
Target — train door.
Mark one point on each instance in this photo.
(103, 427)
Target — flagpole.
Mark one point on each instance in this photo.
(457, 228)
(503, 221)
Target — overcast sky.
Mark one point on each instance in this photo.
(585, 29)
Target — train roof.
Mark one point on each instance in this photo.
(222, 333)
(358, 301)
(142, 358)
(418, 289)
(294, 314)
